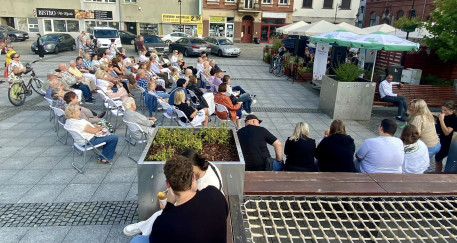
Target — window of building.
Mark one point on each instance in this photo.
(346, 4)
(248, 4)
(59, 26)
(373, 18)
(230, 0)
(149, 29)
(72, 26)
(101, 1)
(328, 3)
(33, 24)
(266, 1)
(48, 25)
(400, 14)
(92, 24)
(273, 21)
(130, 1)
(307, 3)
(284, 2)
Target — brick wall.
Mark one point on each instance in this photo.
(394, 7)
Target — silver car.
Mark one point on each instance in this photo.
(222, 46)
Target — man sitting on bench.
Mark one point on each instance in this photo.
(387, 95)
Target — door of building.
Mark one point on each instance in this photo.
(247, 27)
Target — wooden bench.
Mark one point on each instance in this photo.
(433, 95)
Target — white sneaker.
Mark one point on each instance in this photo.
(132, 229)
(254, 101)
(244, 113)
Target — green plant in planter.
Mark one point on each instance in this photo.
(408, 25)
(347, 72)
(216, 135)
(268, 58)
(293, 59)
(162, 155)
(276, 46)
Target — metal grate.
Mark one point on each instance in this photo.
(348, 219)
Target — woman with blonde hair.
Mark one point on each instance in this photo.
(422, 119)
(335, 153)
(196, 117)
(299, 150)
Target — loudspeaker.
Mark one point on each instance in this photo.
(338, 55)
(299, 48)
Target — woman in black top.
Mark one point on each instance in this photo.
(335, 153)
(196, 117)
(299, 150)
(445, 127)
(121, 74)
(192, 86)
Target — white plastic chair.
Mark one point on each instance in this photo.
(133, 128)
(142, 90)
(115, 110)
(51, 111)
(192, 97)
(166, 107)
(222, 108)
(105, 97)
(84, 148)
(59, 119)
(180, 114)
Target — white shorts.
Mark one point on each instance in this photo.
(199, 118)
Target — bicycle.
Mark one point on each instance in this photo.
(18, 90)
(276, 66)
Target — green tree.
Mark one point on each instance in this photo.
(443, 33)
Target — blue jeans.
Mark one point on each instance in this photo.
(162, 94)
(434, 150)
(110, 146)
(247, 101)
(238, 88)
(140, 239)
(397, 100)
(84, 89)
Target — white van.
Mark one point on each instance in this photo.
(103, 35)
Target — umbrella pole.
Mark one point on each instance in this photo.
(374, 64)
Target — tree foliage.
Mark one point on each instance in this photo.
(443, 38)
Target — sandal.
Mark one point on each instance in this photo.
(103, 161)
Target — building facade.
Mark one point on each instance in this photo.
(386, 12)
(244, 20)
(361, 14)
(73, 16)
(333, 11)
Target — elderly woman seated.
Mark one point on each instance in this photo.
(196, 117)
(57, 94)
(234, 110)
(111, 90)
(86, 114)
(130, 115)
(93, 133)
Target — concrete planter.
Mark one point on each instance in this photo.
(346, 100)
(151, 179)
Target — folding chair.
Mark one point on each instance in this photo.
(222, 108)
(84, 148)
(105, 97)
(59, 119)
(115, 109)
(142, 98)
(51, 111)
(180, 114)
(192, 97)
(167, 110)
(133, 128)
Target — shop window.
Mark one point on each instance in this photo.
(283, 2)
(149, 29)
(89, 25)
(273, 21)
(33, 25)
(114, 25)
(346, 4)
(72, 26)
(307, 3)
(217, 29)
(328, 3)
(373, 18)
(102, 24)
(230, 20)
(59, 26)
(48, 25)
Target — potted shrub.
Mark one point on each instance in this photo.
(344, 97)
(275, 47)
(218, 145)
(266, 51)
(305, 73)
(267, 58)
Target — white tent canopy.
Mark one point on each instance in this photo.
(350, 28)
(316, 28)
(419, 33)
(379, 28)
(285, 29)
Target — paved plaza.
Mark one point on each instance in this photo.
(43, 199)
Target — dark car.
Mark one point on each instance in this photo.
(14, 34)
(190, 46)
(154, 42)
(127, 37)
(56, 42)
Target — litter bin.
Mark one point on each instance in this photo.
(256, 40)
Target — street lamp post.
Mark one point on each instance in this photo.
(180, 26)
(412, 14)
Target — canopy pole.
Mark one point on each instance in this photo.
(374, 64)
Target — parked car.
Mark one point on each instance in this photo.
(172, 37)
(3, 41)
(153, 42)
(127, 37)
(222, 46)
(190, 46)
(56, 42)
(14, 34)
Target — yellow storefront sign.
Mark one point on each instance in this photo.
(215, 19)
(199, 29)
(185, 19)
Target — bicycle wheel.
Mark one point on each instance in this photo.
(17, 94)
(37, 85)
(279, 71)
(272, 66)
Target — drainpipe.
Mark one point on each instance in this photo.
(121, 27)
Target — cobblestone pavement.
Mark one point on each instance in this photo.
(43, 199)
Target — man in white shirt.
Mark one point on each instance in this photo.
(383, 154)
(387, 95)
